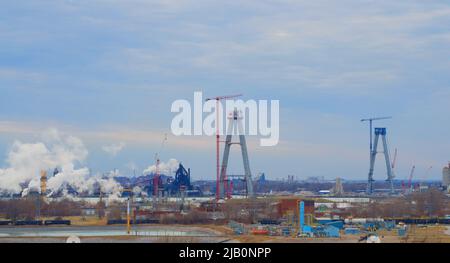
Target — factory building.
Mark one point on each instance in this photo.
(286, 205)
(446, 176)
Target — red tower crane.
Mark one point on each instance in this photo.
(218, 99)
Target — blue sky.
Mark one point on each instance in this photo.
(107, 72)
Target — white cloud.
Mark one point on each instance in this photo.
(113, 149)
(322, 45)
(295, 44)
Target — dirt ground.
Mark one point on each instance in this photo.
(428, 234)
(416, 234)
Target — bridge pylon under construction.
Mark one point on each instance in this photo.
(235, 124)
(380, 132)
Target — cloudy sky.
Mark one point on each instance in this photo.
(107, 72)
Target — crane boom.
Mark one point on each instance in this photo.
(157, 154)
(376, 119)
(427, 173)
(224, 97)
(394, 162)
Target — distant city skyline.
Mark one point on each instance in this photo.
(107, 73)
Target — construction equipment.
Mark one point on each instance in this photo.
(371, 154)
(410, 178)
(422, 185)
(427, 172)
(380, 132)
(218, 99)
(235, 120)
(156, 178)
(394, 162)
(394, 165)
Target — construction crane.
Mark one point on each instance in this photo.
(394, 162)
(218, 99)
(411, 177)
(426, 176)
(156, 177)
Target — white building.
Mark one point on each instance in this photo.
(446, 176)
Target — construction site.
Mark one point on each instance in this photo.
(174, 207)
(187, 121)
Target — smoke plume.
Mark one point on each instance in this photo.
(67, 153)
(165, 168)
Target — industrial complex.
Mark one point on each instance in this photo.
(174, 207)
(187, 121)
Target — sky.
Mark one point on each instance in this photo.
(107, 72)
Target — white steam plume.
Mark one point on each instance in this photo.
(113, 149)
(26, 160)
(165, 168)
